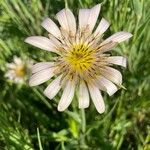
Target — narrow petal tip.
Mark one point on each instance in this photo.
(129, 34)
(45, 21)
(31, 84)
(27, 40)
(102, 110)
(124, 36)
(47, 95)
(31, 39)
(60, 108)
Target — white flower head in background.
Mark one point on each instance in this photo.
(81, 64)
(18, 70)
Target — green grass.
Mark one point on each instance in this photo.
(28, 120)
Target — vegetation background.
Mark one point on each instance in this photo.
(30, 121)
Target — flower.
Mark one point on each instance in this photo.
(81, 64)
(18, 70)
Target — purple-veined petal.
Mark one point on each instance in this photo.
(83, 18)
(51, 27)
(117, 60)
(42, 43)
(118, 37)
(53, 88)
(88, 17)
(107, 47)
(41, 66)
(109, 86)
(67, 96)
(83, 97)
(102, 27)
(41, 77)
(112, 75)
(67, 20)
(96, 98)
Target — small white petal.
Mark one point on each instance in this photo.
(10, 74)
(117, 60)
(109, 86)
(112, 74)
(41, 42)
(83, 96)
(17, 60)
(88, 17)
(41, 77)
(102, 27)
(11, 65)
(67, 96)
(41, 66)
(97, 98)
(53, 88)
(118, 37)
(67, 20)
(51, 27)
(18, 80)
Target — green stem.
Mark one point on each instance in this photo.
(66, 4)
(83, 119)
(83, 129)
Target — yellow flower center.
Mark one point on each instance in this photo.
(80, 58)
(20, 70)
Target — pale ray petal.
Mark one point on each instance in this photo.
(83, 97)
(51, 27)
(112, 74)
(118, 37)
(41, 77)
(94, 12)
(71, 21)
(41, 66)
(67, 96)
(100, 85)
(41, 42)
(54, 40)
(83, 18)
(53, 88)
(62, 19)
(97, 98)
(109, 86)
(117, 60)
(88, 17)
(67, 20)
(107, 47)
(102, 27)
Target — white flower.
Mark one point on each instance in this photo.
(18, 70)
(81, 63)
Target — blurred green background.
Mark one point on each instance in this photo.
(30, 121)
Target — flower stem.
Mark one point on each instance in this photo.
(83, 129)
(66, 4)
(83, 119)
